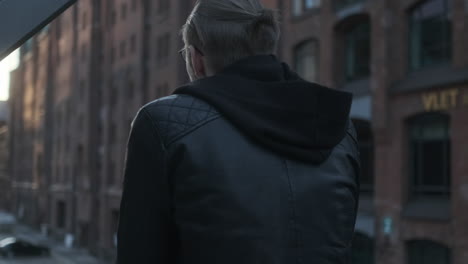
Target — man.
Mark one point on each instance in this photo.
(248, 163)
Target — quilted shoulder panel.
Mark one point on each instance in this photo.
(177, 115)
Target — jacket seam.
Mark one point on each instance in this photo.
(293, 212)
(349, 131)
(352, 136)
(164, 151)
(191, 129)
(155, 128)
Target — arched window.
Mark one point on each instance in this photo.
(430, 155)
(366, 149)
(427, 252)
(430, 34)
(357, 51)
(305, 60)
(362, 250)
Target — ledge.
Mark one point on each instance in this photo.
(305, 15)
(350, 10)
(437, 209)
(430, 78)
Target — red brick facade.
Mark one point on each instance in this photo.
(77, 90)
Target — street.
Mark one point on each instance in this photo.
(59, 254)
(38, 260)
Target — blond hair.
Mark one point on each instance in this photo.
(229, 30)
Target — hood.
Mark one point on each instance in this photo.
(273, 106)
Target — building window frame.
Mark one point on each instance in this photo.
(428, 133)
(123, 49)
(163, 47)
(123, 11)
(419, 33)
(366, 149)
(113, 17)
(356, 67)
(133, 41)
(134, 5)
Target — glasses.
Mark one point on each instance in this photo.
(184, 50)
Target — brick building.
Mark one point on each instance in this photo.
(82, 79)
(407, 65)
(4, 157)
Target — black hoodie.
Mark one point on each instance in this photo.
(274, 106)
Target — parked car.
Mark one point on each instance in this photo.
(12, 247)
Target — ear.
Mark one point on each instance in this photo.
(198, 63)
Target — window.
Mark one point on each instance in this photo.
(113, 17)
(427, 252)
(305, 60)
(357, 52)
(61, 217)
(163, 46)
(430, 34)
(133, 43)
(123, 47)
(123, 11)
(430, 155)
(366, 149)
(301, 6)
(297, 7)
(342, 4)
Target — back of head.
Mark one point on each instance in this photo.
(229, 30)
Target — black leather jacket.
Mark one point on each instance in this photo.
(198, 190)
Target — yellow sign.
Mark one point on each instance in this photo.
(443, 100)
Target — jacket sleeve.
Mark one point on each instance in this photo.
(144, 230)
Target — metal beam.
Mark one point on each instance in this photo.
(21, 19)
